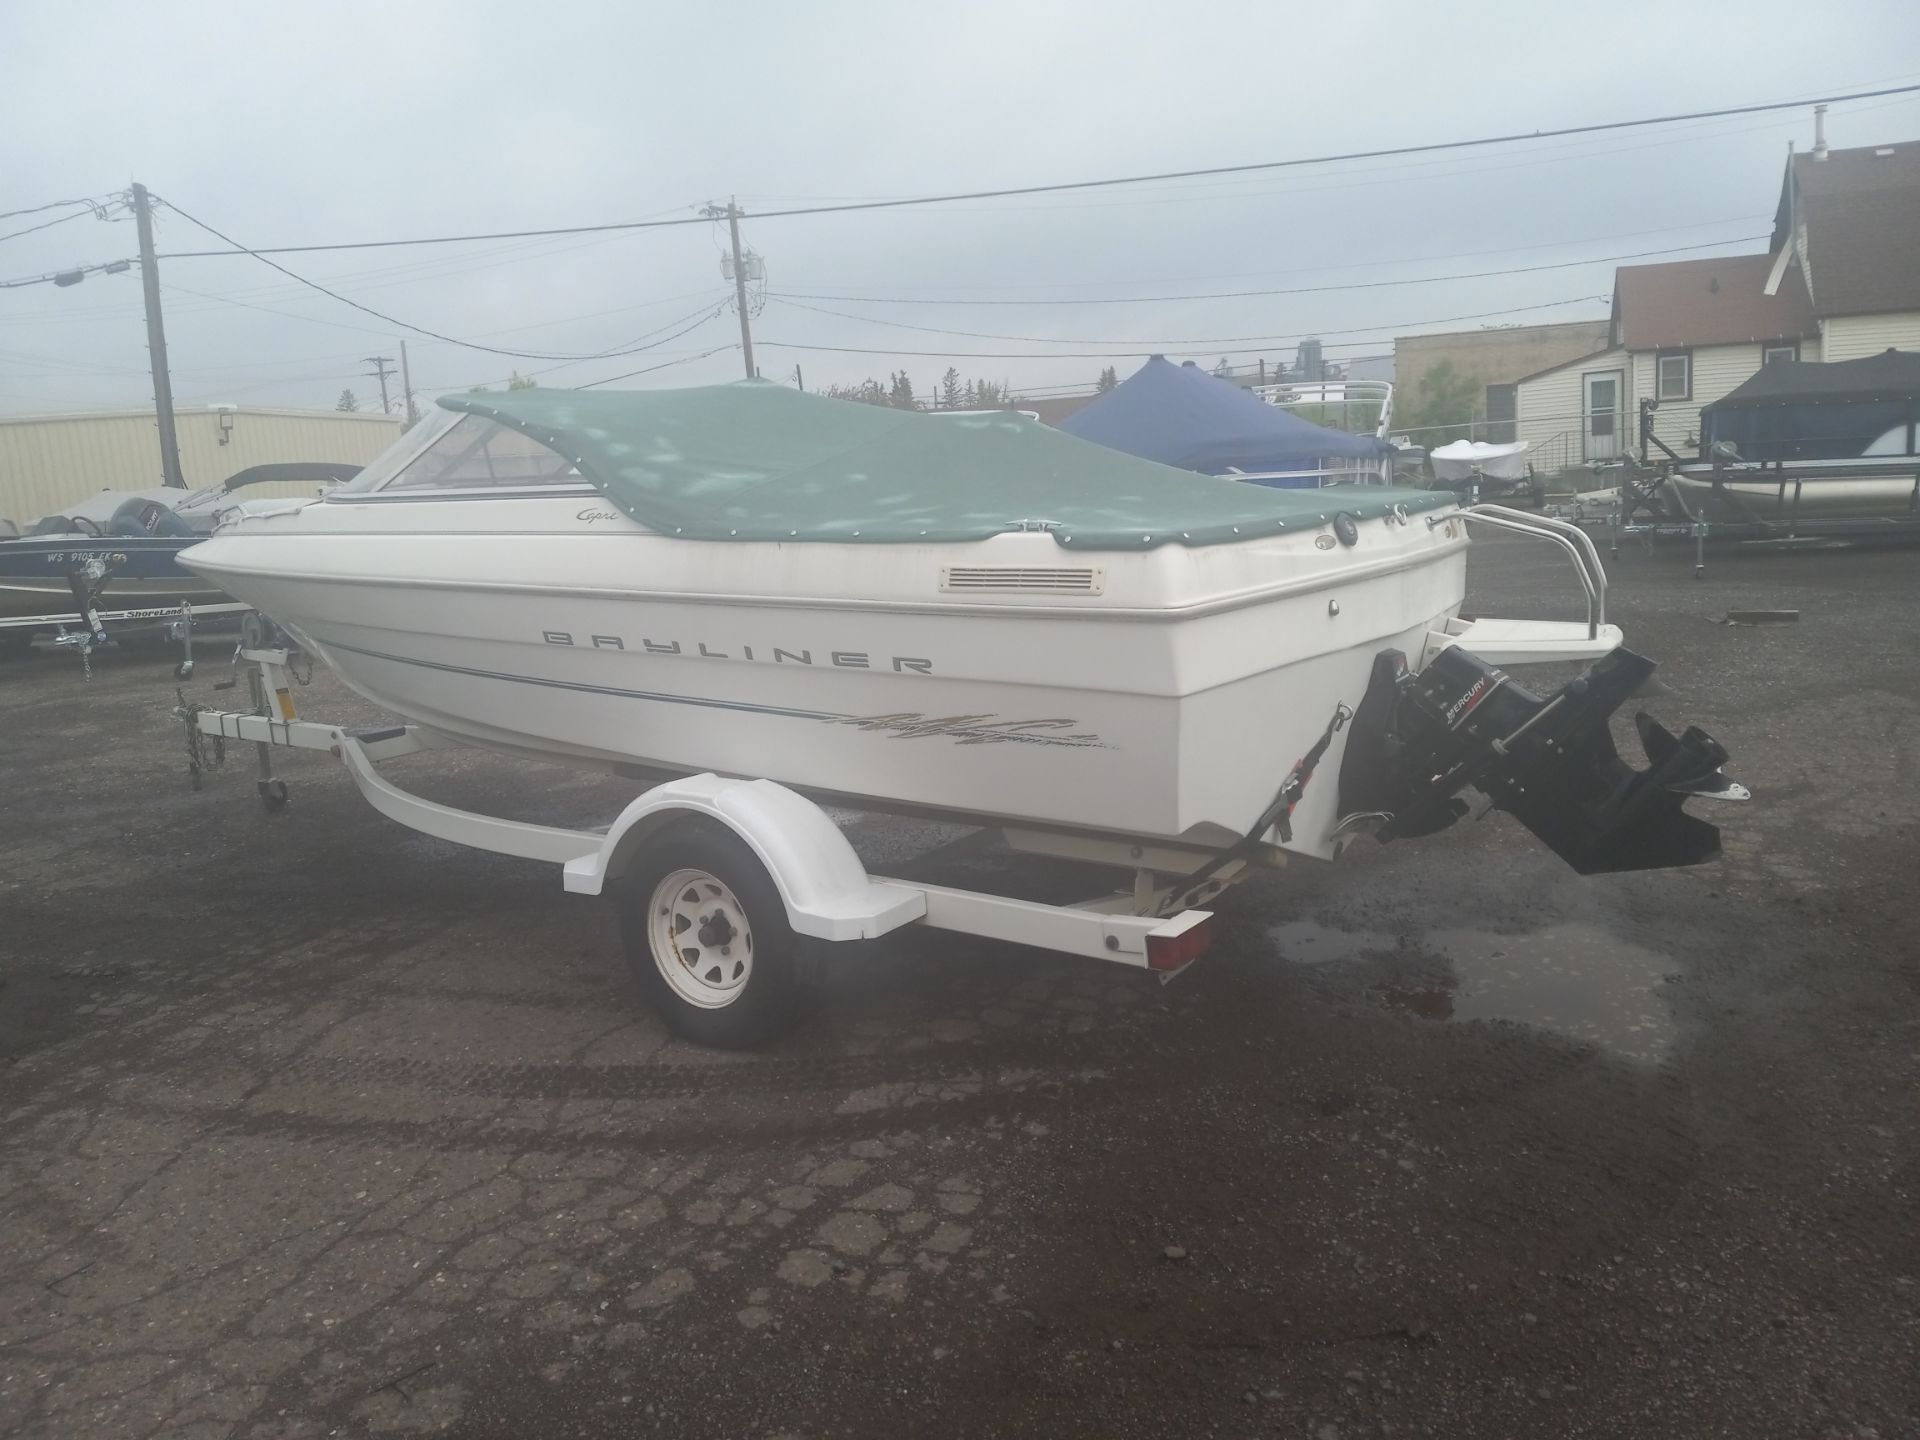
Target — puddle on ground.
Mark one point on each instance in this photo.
(1571, 978)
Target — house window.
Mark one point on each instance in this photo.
(1674, 376)
(1780, 350)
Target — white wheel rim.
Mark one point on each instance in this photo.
(701, 940)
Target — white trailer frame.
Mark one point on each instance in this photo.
(824, 887)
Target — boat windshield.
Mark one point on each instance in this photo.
(480, 454)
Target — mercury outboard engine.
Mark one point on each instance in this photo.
(1419, 740)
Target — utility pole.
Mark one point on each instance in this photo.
(799, 380)
(382, 368)
(732, 212)
(406, 384)
(157, 344)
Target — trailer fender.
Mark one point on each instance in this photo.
(826, 890)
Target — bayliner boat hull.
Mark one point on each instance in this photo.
(973, 617)
(1069, 711)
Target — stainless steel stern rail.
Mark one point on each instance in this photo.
(1570, 538)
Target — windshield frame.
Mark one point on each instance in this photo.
(373, 484)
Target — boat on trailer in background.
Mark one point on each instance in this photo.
(1802, 454)
(763, 603)
(1183, 416)
(108, 566)
(1803, 446)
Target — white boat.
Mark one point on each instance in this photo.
(1463, 459)
(969, 616)
(115, 554)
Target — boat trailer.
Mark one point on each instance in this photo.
(787, 853)
(88, 627)
(719, 875)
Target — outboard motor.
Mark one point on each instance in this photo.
(1419, 740)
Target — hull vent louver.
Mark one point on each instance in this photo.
(1020, 580)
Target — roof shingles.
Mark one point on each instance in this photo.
(1861, 209)
(1721, 301)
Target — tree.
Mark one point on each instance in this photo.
(1109, 379)
(346, 401)
(989, 396)
(522, 382)
(900, 393)
(1445, 397)
(950, 389)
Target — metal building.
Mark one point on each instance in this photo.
(50, 461)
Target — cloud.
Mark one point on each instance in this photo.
(290, 125)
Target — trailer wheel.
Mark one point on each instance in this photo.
(707, 936)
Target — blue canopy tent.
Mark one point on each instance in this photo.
(1180, 415)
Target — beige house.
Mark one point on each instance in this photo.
(48, 462)
(1841, 279)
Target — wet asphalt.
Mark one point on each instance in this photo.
(310, 1125)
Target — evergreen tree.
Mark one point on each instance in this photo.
(900, 395)
(522, 382)
(1109, 378)
(346, 401)
(950, 389)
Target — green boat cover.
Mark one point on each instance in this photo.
(757, 461)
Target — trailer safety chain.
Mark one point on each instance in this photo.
(199, 759)
(1276, 815)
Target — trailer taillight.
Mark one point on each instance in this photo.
(1180, 942)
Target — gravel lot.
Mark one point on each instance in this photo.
(312, 1126)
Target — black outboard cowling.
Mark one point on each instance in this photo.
(1419, 740)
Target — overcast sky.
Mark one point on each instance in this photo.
(284, 125)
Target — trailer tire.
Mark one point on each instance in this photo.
(706, 934)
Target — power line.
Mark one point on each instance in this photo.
(808, 290)
(1209, 349)
(704, 316)
(1060, 187)
(68, 277)
(1159, 343)
(50, 205)
(1258, 294)
(663, 365)
(402, 324)
(410, 271)
(173, 289)
(47, 224)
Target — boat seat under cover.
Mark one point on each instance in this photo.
(757, 461)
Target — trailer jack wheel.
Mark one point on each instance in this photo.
(706, 934)
(273, 795)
